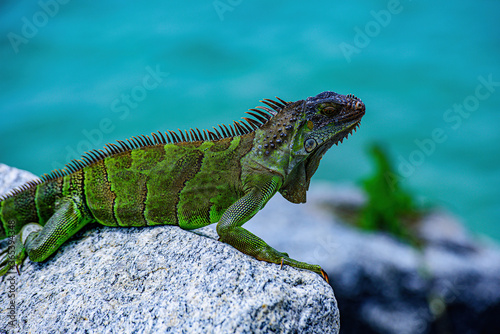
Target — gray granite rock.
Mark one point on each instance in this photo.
(164, 279)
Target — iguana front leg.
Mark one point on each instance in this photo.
(230, 230)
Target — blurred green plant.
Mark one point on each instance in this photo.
(388, 207)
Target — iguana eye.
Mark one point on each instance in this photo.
(328, 111)
(310, 144)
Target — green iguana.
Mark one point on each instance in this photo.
(189, 179)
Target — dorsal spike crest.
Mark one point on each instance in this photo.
(267, 116)
(261, 119)
(253, 123)
(175, 137)
(228, 134)
(120, 142)
(137, 142)
(219, 136)
(238, 128)
(270, 105)
(260, 116)
(270, 111)
(108, 150)
(163, 141)
(282, 101)
(211, 135)
(235, 127)
(182, 135)
(144, 140)
(277, 104)
(233, 132)
(248, 128)
(242, 128)
(200, 136)
(224, 134)
(86, 158)
(193, 135)
(93, 154)
(69, 166)
(127, 144)
(141, 140)
(130, 144)
(102, 154)
(169, 140)
(148, 140)
(115, 147)
(156, 140)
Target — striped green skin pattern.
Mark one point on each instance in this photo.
(188, 184)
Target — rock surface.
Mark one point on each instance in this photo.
(163, 279)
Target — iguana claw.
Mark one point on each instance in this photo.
(325, 276)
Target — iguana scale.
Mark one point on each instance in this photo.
(190, 179)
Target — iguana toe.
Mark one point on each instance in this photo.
(12, 255)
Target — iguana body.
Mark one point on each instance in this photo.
(191, 180)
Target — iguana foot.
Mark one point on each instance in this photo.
(15, 252)
(271, 255)
(302, 265)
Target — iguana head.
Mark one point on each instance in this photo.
(320, 122)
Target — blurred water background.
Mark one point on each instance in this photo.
(76, 75)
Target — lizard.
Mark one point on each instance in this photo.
(190, 179)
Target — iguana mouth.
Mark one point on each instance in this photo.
(339, 137)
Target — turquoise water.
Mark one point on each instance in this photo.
(75, 76)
